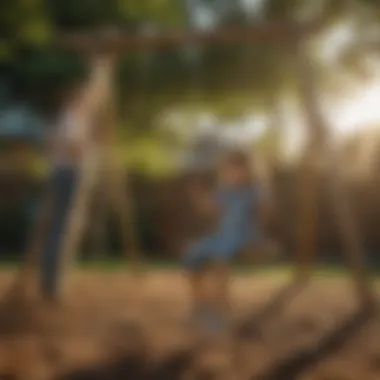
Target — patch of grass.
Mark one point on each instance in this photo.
(244, 269)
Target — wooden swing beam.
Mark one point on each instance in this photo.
(108, 46)
(109, 42)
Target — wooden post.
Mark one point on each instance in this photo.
(307, 222)
(319, 148)
(121, 201)
(99, 221)
(118, 192)
(101, 69)
(270, 213)
(349, 234)
(308, 175)
(101, 96)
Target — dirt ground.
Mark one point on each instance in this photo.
(113, 327)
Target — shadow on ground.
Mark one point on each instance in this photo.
(135, 367)
(290, 368)
(250, 327)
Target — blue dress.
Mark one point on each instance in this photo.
(238, 227)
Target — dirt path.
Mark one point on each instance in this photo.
(111, 329)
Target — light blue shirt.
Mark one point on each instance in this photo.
(238, 227)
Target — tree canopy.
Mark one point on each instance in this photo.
(29, 27)
(228, 79)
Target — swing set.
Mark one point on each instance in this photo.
(102, 51)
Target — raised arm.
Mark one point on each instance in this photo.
(99, 84)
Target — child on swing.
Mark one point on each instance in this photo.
(237, 204)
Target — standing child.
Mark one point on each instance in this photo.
(67, 144)
(237, 204)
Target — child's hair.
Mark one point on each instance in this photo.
(241, 160)
(238, 158)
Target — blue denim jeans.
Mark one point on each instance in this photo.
(62, 181)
